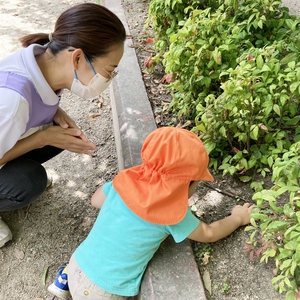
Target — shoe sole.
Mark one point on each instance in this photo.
(7, 239)
(61, 294)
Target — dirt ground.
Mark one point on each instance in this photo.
(46, 233)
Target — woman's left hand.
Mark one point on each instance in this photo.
(64, 121)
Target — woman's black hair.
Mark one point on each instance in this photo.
(88, 26)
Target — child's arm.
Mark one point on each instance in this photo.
(205, 233)
(98, 198)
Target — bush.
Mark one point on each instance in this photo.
(235, 76)
(256, 116)
(235, 67)
(279, 223)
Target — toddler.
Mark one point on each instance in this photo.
(139, 209)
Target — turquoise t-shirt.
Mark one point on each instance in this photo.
(116, 252)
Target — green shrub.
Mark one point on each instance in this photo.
(255, 119)
(235, 76)
(165, 16)
(275, 223)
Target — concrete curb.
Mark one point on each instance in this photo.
(173, 272)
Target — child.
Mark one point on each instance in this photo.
(139, 208)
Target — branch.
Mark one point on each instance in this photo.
(225, 193)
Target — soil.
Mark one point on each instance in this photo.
(47, 232)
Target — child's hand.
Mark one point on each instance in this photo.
(243, 212)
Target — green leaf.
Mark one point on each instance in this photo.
(288, 58)
(276, 108)
(44, 277)
(290, 295)
(254, 132)
(210, 146)
(291, 245)
(270, 161)
(259, 216)
(265, 194)
(271, 253)
(285, 264)
(291, 229)
(292, 64)
(253, 223)
(259, 61)
(245, 178)
(277, 225)
(294, 86)
(223, 131)
(289, 23)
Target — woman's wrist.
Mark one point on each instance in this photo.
(41, 139)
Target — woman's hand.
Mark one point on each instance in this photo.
(71, 139)
(64, 121)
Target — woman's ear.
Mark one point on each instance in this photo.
(77, 55)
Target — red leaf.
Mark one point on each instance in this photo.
(248, 247)
(250, 57)
(251, 255)
(167, 78)
(242, 172)
(258, 251)
(148, 41)
(297, 294)
(148, 62)
(263, 127)
(236, 150)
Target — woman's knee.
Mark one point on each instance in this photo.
(22, 181)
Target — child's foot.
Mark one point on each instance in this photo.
(5, 233)
(60, 287)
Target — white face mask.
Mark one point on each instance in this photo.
(95, 87)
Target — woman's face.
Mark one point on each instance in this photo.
(104, 65)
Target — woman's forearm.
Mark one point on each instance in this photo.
(21, 147)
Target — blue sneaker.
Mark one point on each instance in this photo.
(60, 287)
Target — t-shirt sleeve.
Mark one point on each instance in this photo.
(184, 228)
(106, 187)
(14, 114)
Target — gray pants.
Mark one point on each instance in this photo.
(81, 288)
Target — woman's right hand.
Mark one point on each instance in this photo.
(71, 139)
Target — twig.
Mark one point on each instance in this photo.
(225, 193)
(27, 212)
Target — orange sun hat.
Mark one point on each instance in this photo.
(157, 190)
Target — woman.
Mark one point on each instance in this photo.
(80, 55)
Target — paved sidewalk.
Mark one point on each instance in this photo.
(293, 5)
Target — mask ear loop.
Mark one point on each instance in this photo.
(108, 79)
(90, 64)
(76, 76)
